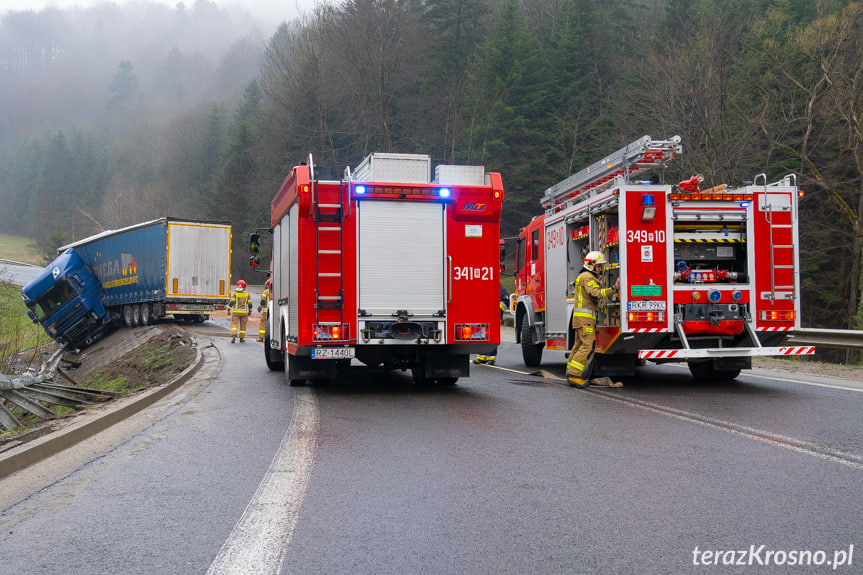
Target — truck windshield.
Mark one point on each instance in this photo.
(55, 298)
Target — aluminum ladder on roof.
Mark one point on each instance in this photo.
(774, 246)
(642, 154)
(329, 215)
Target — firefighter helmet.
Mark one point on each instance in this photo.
(594, 258)
(241, 285)
(269, 283)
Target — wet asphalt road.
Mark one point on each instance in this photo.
(504, 473)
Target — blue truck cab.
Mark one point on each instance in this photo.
(65, 298)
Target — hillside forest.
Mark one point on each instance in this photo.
(116, 114)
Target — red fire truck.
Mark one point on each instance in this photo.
(709, 277)
(387, 267)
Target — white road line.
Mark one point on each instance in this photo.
(750, 373)
(258, 543)
(807, 447)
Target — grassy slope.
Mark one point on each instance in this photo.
(17, 332)
(20, 249)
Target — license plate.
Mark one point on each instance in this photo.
(333, 352)
(645, 305)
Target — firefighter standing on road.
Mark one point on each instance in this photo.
(263, 308)
(239, 308)
(587, 295)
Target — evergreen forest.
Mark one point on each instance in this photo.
(117, 114)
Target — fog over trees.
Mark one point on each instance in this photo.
(113, 115)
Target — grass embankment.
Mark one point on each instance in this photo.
(17, 331)
(24, 250)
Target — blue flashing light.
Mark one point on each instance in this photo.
(647, 200)
(744, 204)
(360, 190)
(444, 192)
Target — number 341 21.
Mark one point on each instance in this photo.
(470, 273)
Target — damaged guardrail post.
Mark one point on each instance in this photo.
(10, 387)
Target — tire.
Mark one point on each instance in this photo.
(128, 316)
(291, 382)
(146, 314)
(704, 371)
(136, 315)
(418, 373)
(273, 364)
(531, 351)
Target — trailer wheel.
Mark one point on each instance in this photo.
(704, 371)
(136, 315)
(146, 314)
(530, 350)
(128, 316)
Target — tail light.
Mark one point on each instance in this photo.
(330, 332)
(777, 315)
(647, 316)
(472, 332)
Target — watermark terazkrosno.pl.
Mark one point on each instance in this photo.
(761, 555)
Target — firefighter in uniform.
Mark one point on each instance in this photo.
(239, 308)
(504, 305)
(587, 294)
(263, 309)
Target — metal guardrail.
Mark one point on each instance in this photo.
(846, 338)
(829, 337)
(14, 263)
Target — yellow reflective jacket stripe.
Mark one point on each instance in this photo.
(241, 302)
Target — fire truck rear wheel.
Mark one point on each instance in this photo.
(530, 350)
(704, 371)
(419, 375)
(275, 360)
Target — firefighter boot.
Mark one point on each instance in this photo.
(261, 338)
(490, 359)
(233, 338)
(577, 382)
(480, 359)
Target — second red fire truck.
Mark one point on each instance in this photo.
(387, 266)
(708, 277)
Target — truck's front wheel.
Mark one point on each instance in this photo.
(530, 350)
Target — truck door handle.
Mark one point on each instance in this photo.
(449, 280)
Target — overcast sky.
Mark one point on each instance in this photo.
(269, 11)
